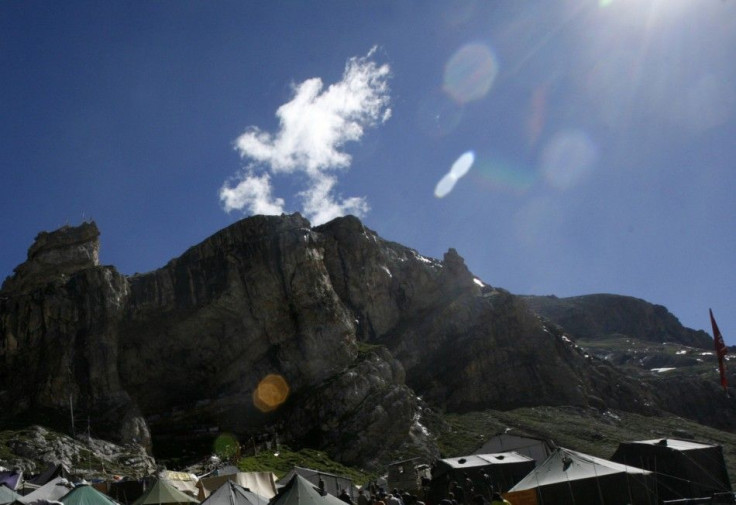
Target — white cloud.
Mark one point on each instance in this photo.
(253, 193)
(321, 206)
(313, 128)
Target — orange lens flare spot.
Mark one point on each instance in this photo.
(271, 392)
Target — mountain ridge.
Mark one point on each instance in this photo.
(367, 334)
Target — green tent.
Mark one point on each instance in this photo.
(86, 495)
(163, 492)
(231, 493)
(7, 495)
(299, 491)
(682, 468)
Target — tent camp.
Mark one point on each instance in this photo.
(575, 478)
(682, 469)
(260, 483)
(231, 493)
(536, 448)
(486, 472)
(300, 491)
(51, 491)
(7, 495)
(163, 492)
(84, 494)
(333, 484)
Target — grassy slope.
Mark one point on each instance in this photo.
(283, 461)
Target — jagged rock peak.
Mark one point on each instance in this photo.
(53, 254)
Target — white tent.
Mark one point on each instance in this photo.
(536, 448)
(51, 491)
(575, 478)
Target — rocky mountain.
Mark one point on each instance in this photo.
(599, 316)
(327, 337)
(646, 341)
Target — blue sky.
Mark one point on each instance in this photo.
(602, 133)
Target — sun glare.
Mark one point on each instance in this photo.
(653, 11)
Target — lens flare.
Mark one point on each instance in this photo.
(446, 184)
(459, 169)
(501, 173)
(567, 158)
(226, 446)
(270, 393)
(463, 164)
(470, 72)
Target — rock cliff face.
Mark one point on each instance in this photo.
(59, 317)
(355, 328)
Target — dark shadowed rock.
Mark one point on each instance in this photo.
(600, 315)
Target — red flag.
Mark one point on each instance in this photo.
(721, 350)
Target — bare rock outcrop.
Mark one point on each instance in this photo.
(35, 448)
(59, 317)
(55, 255)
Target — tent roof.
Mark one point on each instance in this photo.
(260, 483)
(11, 478)
(565, 465)
(679, 445)
(299, 491)
(86, 495)
(333, 483)
(51, 472)
(309, 472)
(163, 492)
(231, 493)
(7, 495)
(51, 491)
(478, 460)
